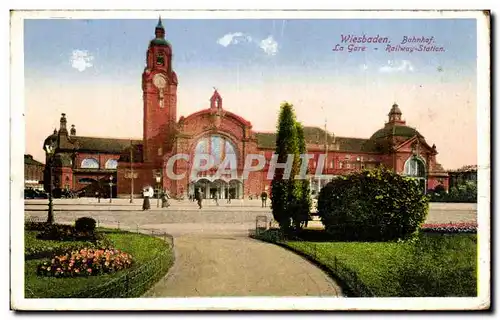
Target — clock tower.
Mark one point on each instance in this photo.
(159, 86)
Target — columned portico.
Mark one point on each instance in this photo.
(211, 187)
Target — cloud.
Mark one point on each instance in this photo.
(269, 45)
(397, 66)
(81, 60)
(234, 38)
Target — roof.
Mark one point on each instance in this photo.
(28, 160)
(395, 109)
(108, 145)
(159, 42)
(93, 144)
(395, 130)
(315, 135)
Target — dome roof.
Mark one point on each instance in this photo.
(159, 42)
(395, 130)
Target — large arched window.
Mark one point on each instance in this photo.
(90, 163)
(415, 167)
(111, 164)
(217, 146)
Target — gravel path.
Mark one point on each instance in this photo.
(238, 266)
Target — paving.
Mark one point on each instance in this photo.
(214, 255)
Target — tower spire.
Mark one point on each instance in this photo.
(160, 30)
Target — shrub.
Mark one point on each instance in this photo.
(86, 262)
(464, 192)
(85, 224)
(377, 205)
(35, 226)
(66, 233)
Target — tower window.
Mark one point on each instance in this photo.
(160, 60)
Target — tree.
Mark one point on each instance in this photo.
(284, 190)
(301, 214)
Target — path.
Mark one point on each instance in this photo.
(239, 266)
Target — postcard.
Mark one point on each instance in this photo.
(250, 160)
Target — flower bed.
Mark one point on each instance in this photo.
(461, 227)
(86, 262)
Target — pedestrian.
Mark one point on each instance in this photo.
(164, 199)
(146, 205)
(263, 197)
(216, 197)
(98, 195)
(229, 197)
(199, 198)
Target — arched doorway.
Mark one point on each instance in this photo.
(415, 168)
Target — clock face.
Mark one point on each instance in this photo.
(159, 81)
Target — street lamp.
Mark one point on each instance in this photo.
(110, 188)
(158, 180)
(50, 150)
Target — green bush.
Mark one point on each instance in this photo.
(66, 233)
(372, 205)
(85, 224)
(35, 225)
(464, 192)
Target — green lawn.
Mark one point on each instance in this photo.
(152, 259)
(435, 265)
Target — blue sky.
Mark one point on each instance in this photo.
(118, 46)
(91, 70)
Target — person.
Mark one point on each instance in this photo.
(216, 197)
(98, 195)
(164, 199)
(229, 197)
(199, 198)
(146, 205)
(263, 197)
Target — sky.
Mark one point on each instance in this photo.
(91, 70)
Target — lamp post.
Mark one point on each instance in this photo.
(50, 150)
(158, 180)
(110, 188)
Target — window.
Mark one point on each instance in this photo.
(340, 164)
(348, 157)
(217, 146)
(160, 60)
(332, 164)
(414, 167)
(362, 159)
(90, 163)
(111, 164)
(362, 166)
